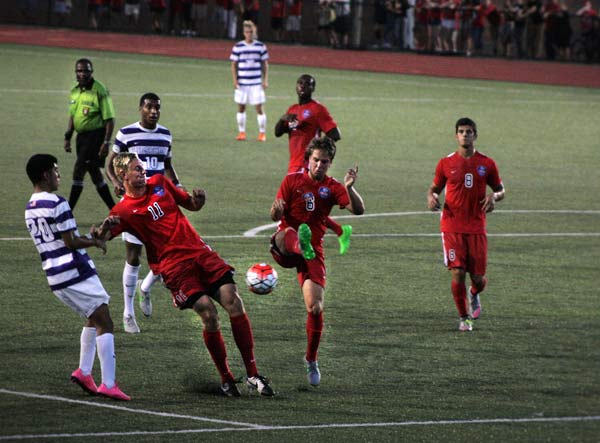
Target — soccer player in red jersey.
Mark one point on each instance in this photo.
(194, 273)
(303, 202)
(303, 122)
(466, 174)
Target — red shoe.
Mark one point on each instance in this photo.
(241, 137)
(262, 137)
(85, 381)
(115, 393)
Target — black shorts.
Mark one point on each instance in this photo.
(88, 146)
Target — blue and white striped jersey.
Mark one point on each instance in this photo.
(152, 146)
(249, 57)
(47, 216)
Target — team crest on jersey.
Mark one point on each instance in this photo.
(481, 170)
(86, 111)
(308, 196)
(159, 190)
(324, 192)
(306, 113)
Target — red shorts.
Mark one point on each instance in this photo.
(190, 279)
(466, 251)
(313, 270)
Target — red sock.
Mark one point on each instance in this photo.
(242, 333)
(459, 292)
(216, 347)
(479, 289)
(334, 226)
(314, 330)
(290, 239)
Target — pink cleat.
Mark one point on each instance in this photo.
(85, 381)
(115, 393)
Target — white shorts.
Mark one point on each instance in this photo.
(84, 297)
(292, 23)
(250, 95)
(131, 9)
(130, 238)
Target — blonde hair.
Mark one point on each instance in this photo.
(121, 163)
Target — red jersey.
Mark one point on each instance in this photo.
(309, 201)
(465, 180)
(156, 219)
(313, 118)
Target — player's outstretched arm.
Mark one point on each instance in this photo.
(73, 241)
(196, 201)
(357, 205)
(103, 231)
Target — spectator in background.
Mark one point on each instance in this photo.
(506, 31)
(533, 28)
(232, 8)
(157, 8)
(477, 29)
(198, 16)
(343, 22)
(520, 21)
(94, 10)
(326, 22)
(551, 11)
(420, 35)
(293, 23)
(492, 18)
(465, 17)
(393, 33)
(434, 23)
(379, 20)
(277, 18)
(563, 33)
(62, 9)
(448, 32)
(409, 25)
(132, 12)
(250, 11)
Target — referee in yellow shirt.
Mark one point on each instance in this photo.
(92, 115)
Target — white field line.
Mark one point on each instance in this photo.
(253, 233)
(256, 427)
(413, 100)
(126, 409)
(383, 78)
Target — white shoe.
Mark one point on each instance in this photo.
(144, 299)
(261, 384)
(313, 374)
(130, 325)
(465, 325)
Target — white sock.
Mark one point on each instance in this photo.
(108, 360)
(130, 277)
(87, 350)
(149, 281)
(241, 121)
(262, 122)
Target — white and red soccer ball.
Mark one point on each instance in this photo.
(261, 278)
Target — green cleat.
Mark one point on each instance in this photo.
(304, 237)
(344, 239)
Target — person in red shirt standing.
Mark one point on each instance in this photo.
(465, 174)
(194, 273)
(303, 122)
(303, 202)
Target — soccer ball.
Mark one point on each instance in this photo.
(261, 278)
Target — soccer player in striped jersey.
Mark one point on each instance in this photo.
(465, 175)
(152, 144)
(72, 275)
(250, 72)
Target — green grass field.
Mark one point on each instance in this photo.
(394, 366)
